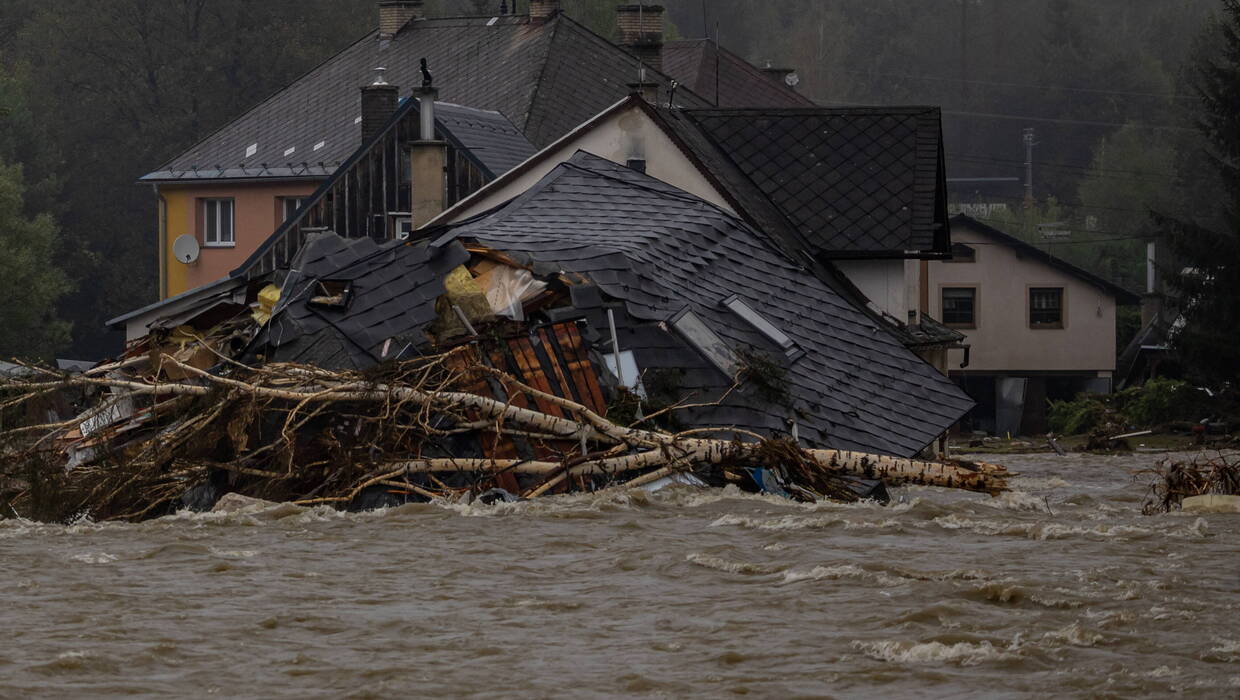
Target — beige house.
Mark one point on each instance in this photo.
(1037, 327)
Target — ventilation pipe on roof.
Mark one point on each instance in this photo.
(395, 14)
(641, 32)
(543, 10)
(379, 101)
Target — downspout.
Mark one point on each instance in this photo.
(161, 225)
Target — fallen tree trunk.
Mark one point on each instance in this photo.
(304, 434)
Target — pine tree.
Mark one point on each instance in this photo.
(1207, 274)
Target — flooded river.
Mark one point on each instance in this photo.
(1060, 589)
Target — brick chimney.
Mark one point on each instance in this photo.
(379, 101)
(395, 14)
(543, 10)
(641, 32)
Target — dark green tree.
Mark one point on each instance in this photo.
(1207, 272)
(31, 284)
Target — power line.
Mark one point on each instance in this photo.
(1032, 86)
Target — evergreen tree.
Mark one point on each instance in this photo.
(1207, 274)
(30, 282)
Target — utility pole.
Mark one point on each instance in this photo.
(1029, 144)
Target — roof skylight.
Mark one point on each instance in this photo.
(693, 329)
(747, 313)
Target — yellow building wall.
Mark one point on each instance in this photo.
(257, 214)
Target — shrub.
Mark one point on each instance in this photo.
(1161, 401)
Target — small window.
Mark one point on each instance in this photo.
(1046, 307)
(960, 307)
(289, 206)
(217, 223)
(962, 253)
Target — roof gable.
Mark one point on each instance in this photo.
(1122, 296)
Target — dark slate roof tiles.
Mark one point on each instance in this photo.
(848, 180)
(860, 388)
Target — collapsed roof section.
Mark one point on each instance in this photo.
(665, 253)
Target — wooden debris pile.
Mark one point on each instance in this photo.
(447, 426)
(1175, 480)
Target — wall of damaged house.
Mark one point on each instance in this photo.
(622, 137)
(256, 209)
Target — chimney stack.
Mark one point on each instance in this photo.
(379, 101)
(428, 160)
(543, 10)
(641, 32)
(395, 14)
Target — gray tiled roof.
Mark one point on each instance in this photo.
(740, 84)
(851, 182)
(489, 136)
(660, 249)
(545, 78)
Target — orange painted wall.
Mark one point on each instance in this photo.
(257, 209)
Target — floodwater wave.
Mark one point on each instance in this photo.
(1059, 588)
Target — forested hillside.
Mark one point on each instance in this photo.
(93, 94)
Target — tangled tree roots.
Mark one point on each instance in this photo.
(1174, 481)
(421, 429)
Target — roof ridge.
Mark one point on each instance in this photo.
(1049, 258)
(258, 105)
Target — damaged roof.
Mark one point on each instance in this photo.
(662, 251)
(856, 182)
(387, 291)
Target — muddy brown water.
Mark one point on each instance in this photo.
(678, 594)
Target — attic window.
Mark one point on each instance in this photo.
(747, 313)
(962, 253)
(708, 343)
(331, 294)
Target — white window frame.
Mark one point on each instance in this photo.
(216, 238)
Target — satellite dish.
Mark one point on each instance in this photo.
(185, 249)
(792, 79)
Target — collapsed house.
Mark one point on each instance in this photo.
(601, 329)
